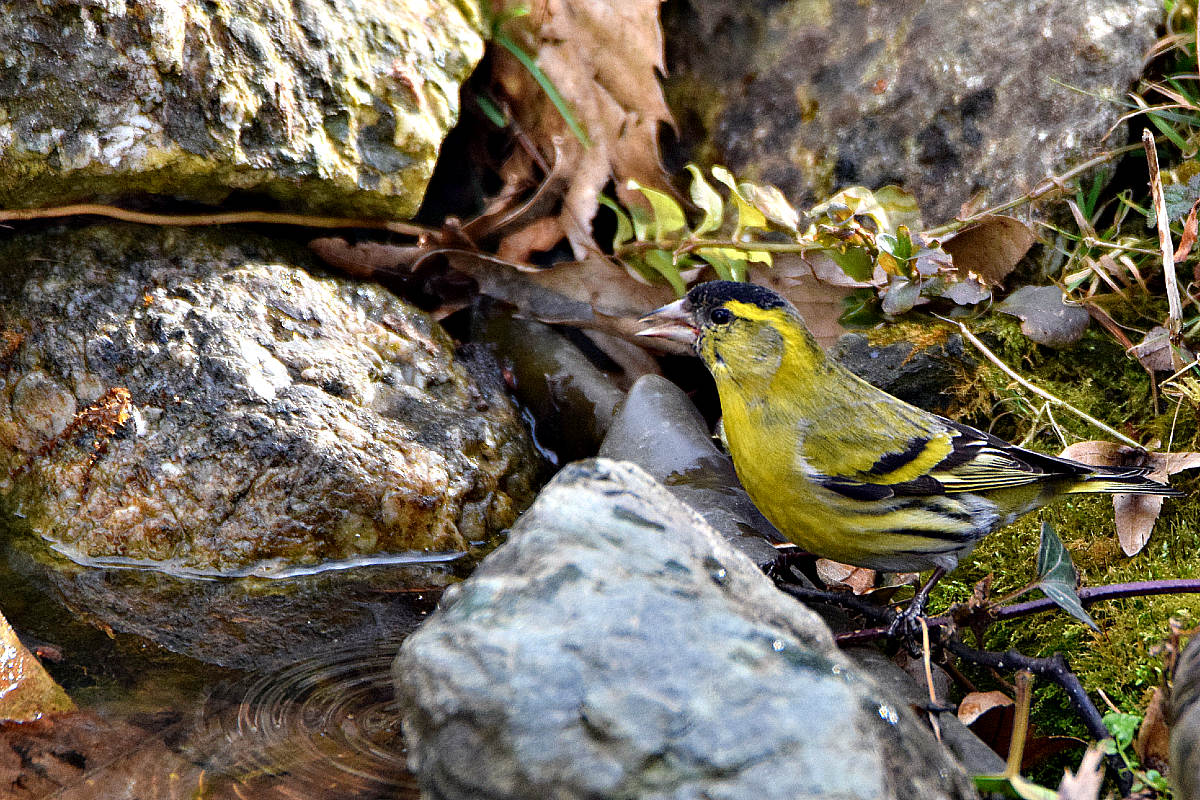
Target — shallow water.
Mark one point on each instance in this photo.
(158, 724)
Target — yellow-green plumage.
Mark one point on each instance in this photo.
(844, 469)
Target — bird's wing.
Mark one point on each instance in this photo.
(934, 455)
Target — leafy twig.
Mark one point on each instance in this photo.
(1087, 596)
(1056, 670)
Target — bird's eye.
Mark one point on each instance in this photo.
(721, 316)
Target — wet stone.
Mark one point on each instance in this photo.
(617, 646)
(658, 428)
(210, 405)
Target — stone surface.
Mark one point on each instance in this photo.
(325, 106)
(923, 375)
(1185, 723)
(617, 646)
(946, 98)
(659, 429)
(27, 692)
(198, 401)
(570, 399)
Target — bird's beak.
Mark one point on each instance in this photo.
(673, 322)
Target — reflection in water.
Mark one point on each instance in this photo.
(325, 727)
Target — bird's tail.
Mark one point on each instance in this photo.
(1123, 481)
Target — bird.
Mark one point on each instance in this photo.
(847, 471)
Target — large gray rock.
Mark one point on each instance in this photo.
(618, 647)
(324, 105)
(945, 97)
(201, 402)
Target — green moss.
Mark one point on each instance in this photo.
(1097, 377)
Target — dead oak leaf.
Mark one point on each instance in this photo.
(990, 247)
(1153, 741)
(604, 59)
(858, 580)
(1135, 514)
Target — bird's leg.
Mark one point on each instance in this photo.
(905, 621)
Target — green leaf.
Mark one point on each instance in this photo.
(900, 296)
(624, 230)
(1057, 577)
(748, 215)
(1014, 786)
(860, 309)
(707, 200)
(668, 214)
(758, 257)
(854, 261)
(771, 202)
(643, 221)
(491, 111)
(727, 262)
(901, 207)
(1123, 727)
(662, 263)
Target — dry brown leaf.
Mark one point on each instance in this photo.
(991, 715)
(1108, 323)
(604, 59)
(1152, 744)
(595, 293)
(1189, 235)
(365, 259)
(1135, 514)
(1045, 316)
(857, 579)
(990, 248)
(975, 704)
(536, 237)
(1086, 782)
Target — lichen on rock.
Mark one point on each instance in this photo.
(323, 106)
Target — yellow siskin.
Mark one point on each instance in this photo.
(847, 471)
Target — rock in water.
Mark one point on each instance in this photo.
(27, 692)
(616, 646)
(201, 403)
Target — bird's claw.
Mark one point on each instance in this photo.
(907, 627)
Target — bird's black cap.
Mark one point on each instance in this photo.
(714, 293)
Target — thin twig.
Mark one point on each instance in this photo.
(1042, 393)
(933, 698)
(1087, 596)
(1056, 670)
(225, 218)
